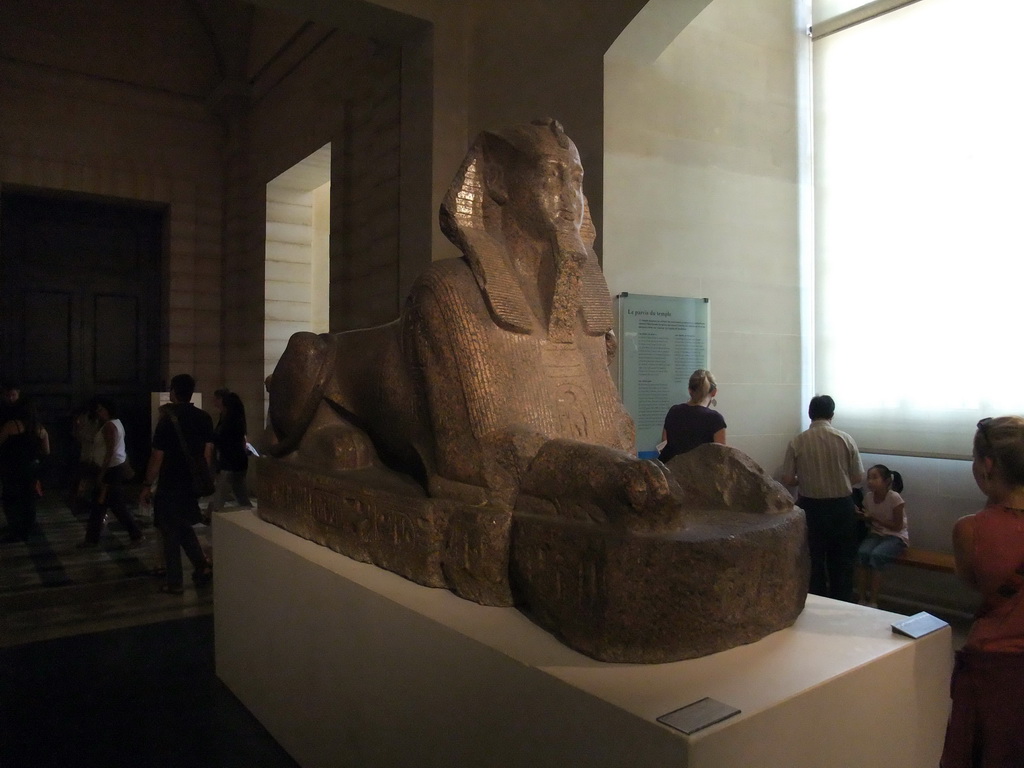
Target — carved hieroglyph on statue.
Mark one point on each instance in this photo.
(478, 442)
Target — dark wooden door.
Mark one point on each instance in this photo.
(80, 301)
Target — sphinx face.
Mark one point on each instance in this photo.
(546, 194)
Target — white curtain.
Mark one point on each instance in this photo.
(919, 267)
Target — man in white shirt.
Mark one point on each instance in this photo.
(826, 464)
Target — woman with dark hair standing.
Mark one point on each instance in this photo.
(232, 456)
(110, 457)
(23, 441)
(693, 423)
(986, 724)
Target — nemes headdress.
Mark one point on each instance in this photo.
(465, 218)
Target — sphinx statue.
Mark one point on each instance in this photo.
(478, 442)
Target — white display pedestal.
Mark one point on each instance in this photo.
(349, 665)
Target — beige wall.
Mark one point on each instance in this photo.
(496, 62)
(434, 39)
(344, 94)
(151, 129)
(62, 131)
(702, 199)
(537, 58)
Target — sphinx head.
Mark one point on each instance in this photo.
(533, 172)
(518, 184)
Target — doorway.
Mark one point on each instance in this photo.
(297, 278)
(80, 290)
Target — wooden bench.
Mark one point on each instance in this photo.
(929, 561)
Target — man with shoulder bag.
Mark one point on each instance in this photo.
(182, 451)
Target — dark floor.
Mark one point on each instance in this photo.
(139, 696)
(50, 588)
(97, 668)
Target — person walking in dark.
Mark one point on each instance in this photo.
(183, 435)
(10, 393)
(825, 463)
(230, 442)
(23, 442)
(110, 457)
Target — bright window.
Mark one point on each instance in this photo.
(919, 167)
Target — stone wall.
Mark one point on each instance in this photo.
(702, 194)
(61, 131)
(346, 94)
(154, 141)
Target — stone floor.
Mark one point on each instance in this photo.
(50, 589)
(98, 668)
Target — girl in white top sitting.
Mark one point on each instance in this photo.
(885, 510)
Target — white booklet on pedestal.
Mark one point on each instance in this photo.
(918, 625)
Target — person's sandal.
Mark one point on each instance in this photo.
(172, 589)
(203, 577)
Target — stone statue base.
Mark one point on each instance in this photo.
(727, 579)
(724, 579)
(376, 517)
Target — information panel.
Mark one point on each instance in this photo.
(662, 340)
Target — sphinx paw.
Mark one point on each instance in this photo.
(651, 493)
(334, 443)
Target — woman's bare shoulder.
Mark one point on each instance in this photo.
(965, 525)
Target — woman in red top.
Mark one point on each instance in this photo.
(986, 725)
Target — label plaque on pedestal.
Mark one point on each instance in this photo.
(918, 625)
(700, 714)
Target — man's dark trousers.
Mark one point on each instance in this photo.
(832, 539)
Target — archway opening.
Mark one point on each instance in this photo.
(297, 273)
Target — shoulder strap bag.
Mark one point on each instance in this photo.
(202, 479)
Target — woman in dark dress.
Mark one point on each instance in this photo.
(693, 423)
(232, 455)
